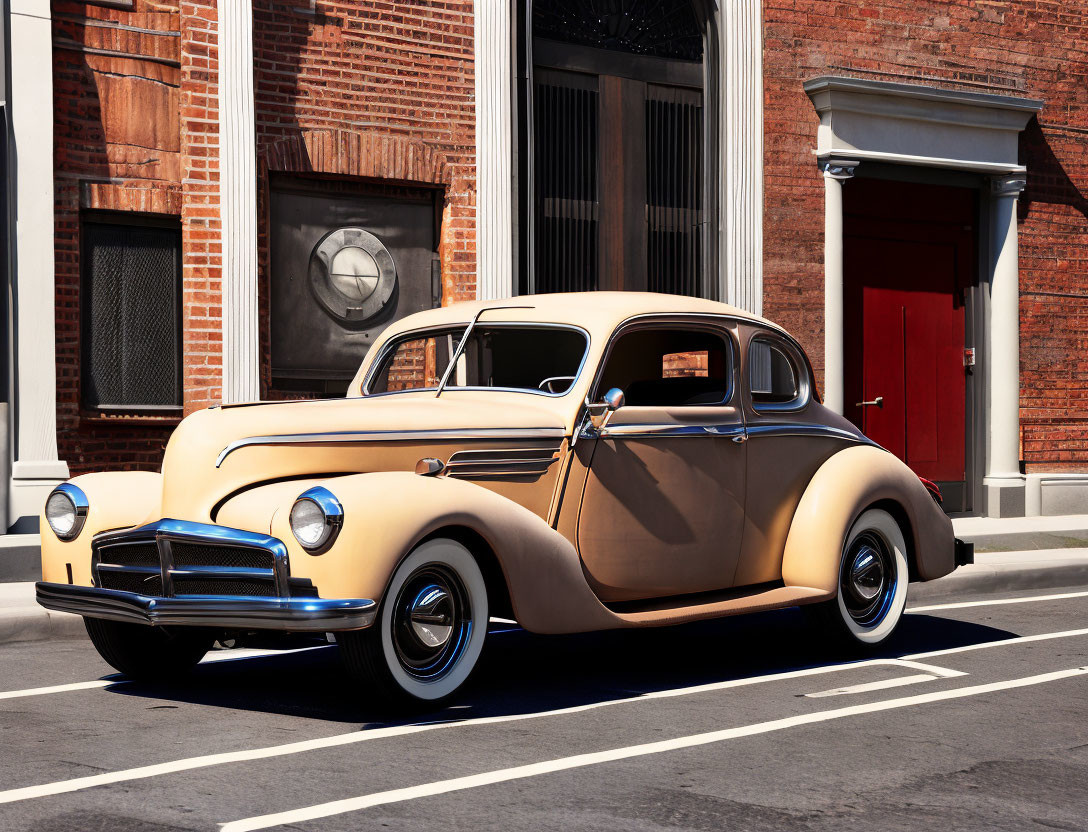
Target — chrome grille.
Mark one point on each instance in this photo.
(224, 586)
(172, 558)
(200, 554)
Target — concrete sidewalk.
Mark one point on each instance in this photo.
(1018, 534)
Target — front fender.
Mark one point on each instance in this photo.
(845, 485)
(387, 513)
(116, 499)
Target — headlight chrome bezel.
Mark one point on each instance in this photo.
(75, 495)
(334, 518)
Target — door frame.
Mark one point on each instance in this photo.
(975, 311)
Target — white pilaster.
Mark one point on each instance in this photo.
(36, 468)
(836, 172)
(741, 148)
(494, 153)
(1003, 353)
(238, 202)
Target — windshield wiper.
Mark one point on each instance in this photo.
(464, 341)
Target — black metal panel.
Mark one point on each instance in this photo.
(566, 124)
(312, 349)
(209, 554)
(662, 28)
(674, 190)
(131, 334)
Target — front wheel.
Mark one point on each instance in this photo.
(430, 631)
(872, 587)
(149, 653)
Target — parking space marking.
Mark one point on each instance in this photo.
(1005, 642)
(338, 807)
(866, 687)
(97, 683)
(353, 737)
(1061, 596)
(214, 657)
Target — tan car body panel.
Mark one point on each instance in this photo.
(244, 466)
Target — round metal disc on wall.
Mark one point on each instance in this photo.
(352, 274)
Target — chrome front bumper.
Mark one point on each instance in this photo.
(297, 615)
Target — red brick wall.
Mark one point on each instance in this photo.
(117, 148)
(1018, 47)
(376, 91)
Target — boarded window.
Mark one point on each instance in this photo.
(131, 329)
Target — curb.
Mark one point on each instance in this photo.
(998, 572)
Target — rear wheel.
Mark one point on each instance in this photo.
(872, 586)
(430, 630)
(144, 652)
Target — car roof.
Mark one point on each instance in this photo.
(596, 312)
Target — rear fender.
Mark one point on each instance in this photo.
(846, 484)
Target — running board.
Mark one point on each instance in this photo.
(656, 615)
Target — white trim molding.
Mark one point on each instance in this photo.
(741, 153)
(494, 150)
(238, 203)
(36, 467)
(875, 121)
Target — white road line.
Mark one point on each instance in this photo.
(97, 683)
(337, 807)
(223, 758)
(997, 602)
(1005, 642)
(883, 684)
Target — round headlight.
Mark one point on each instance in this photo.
(315, 519)
(308, 524)
(65, 511)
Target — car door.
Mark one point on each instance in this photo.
(662, 511)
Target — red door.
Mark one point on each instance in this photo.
(907, 265)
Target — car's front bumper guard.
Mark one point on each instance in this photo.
(291, 614)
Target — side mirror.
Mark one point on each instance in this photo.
(600, 412)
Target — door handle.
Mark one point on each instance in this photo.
(741, 438)
(877, 402)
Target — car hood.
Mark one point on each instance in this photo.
(218, 452)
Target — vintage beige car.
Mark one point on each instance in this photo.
(574, 462)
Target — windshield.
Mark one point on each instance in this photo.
(539, 359)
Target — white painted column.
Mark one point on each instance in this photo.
(741, 148)
(836, 172)
(494, 151)
(36, 468)
(238, 202)
(1003, 353)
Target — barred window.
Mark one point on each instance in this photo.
(131, 316)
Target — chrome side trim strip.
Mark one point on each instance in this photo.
(299, 615)
(352, 437)
(805, 429)
(667, 431)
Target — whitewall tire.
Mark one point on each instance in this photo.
(430, 630)
(872, 583)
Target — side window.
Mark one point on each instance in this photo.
(772, 376)
(668, 367)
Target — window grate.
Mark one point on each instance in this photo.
(131, 316)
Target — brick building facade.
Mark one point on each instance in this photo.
(351, 103)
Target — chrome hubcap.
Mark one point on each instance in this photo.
(431, 615)
(432, 622)
(868, 579)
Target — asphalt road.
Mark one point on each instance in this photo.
(975, 717)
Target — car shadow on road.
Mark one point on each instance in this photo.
(523, 673)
